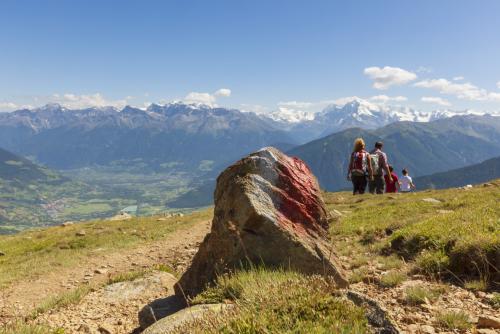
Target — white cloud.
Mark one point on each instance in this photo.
(388, 76)
(74, 101)
(386, 99)
(11, 106)
(204, 98)
(436, 100)
(459, 78)
(498, 85)
(423, 69)
(207, 98)
(296, 110)
(464, 91)
(8, 106)
(225, 92)
(343, 100)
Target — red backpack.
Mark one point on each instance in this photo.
(359, 163)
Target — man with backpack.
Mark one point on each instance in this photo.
(379, 164)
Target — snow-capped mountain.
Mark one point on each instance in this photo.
(356, 113)
(179, 132)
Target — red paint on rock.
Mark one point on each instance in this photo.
(300, 204)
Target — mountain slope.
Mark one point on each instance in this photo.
(32, 195)
(14, 168)
(424, 148)
(482, 172)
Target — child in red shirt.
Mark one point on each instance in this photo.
(391, 187)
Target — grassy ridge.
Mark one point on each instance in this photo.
(458, 235)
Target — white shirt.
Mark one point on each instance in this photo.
(406, 182)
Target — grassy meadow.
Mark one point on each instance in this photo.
(37, 251)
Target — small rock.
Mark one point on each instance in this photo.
(67, 224)
(2, 253)
(80, 233)
(427, 329)
(488, 322)
(105, 329)
(336, 213)
(100, 271)
(84, 328)
(431, 200)
(486, 331)
(413, 328)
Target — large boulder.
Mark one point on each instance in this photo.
(268, 211)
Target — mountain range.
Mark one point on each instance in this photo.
(355, 113)
(423, 148)
(168, 156)
(186, 137)
(175, 135)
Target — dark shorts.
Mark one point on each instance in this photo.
(358, 184)
(377, 185)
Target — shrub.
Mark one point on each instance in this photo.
(392, 279)
(453, 320)
(477, 285)
(432, 261)
(417, 295)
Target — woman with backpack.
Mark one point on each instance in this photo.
(359, 167)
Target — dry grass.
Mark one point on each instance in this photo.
(454, 320)
(417, 295)
(23, 328)
(392, 279)
(65, 299)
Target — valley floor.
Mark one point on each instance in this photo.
(103, 290)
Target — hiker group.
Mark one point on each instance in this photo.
(372, 169)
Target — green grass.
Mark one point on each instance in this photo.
(23, 328)
(495, 300)
(128, 276)
(392, 279)
(87, 208)
(476, 285)
(417, 295)
(462, 244)
(278, 302)
(390, 262)
(453, 320)
(65, 299)
(35, 252)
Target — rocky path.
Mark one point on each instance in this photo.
(109, 308)
(424, 317)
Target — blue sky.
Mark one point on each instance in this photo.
(262, 54)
